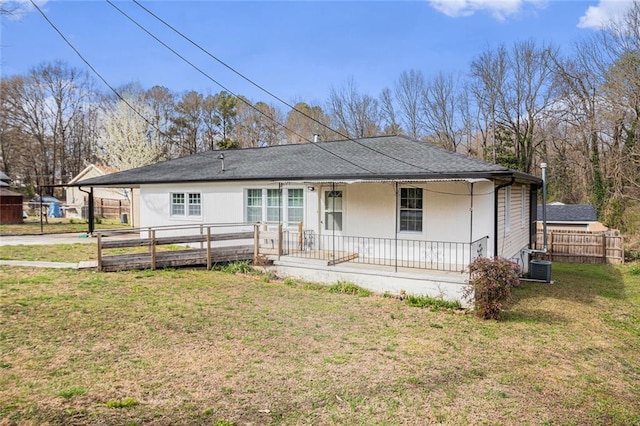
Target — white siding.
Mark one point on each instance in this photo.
(513, 240)
(369, 208)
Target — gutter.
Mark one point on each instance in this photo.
(495, 214)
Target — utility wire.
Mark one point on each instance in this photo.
(240, 98)
(238, 73)
(95, 71)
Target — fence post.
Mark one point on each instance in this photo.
(300, 236)
(201, 233)
(99, 252)
(279, 240)
(604, 248)
(208, 247)
(152, 247)
(256, 242)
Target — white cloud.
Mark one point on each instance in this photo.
(606, 11)
(499, 9)
(18, 8)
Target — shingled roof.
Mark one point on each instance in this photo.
(569, 213)
(377, 158)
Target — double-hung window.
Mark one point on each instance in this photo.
(411, 212)
(186, 204)
(295, 205)
(254, 205)
(274, 205)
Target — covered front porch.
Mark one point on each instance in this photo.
(432, 268)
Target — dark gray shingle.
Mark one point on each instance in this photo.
(569, 213)
(388, 157)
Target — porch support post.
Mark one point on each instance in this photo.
(471, 223)
(333, 218)
(90, 213)
(396, 228)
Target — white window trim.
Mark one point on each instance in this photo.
(186, 204)
(284, 204)
(399, 195)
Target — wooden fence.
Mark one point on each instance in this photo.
(583, 246)
(109, 208)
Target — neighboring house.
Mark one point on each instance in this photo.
(76, 198)
(410, 216)
(570, 217)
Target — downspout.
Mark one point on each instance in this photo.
(543, 166)
(495, 214)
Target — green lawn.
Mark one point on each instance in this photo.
(56, 226)
(202, 347)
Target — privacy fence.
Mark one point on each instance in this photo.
(583, 246)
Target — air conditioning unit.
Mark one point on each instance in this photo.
(540, 270)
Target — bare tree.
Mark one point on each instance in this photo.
(301, 128)
(388, 113)
(354, 114)
(409, 92)
(258, 125)
(515, 86)
(442, 112)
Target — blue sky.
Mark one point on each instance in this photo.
(298, 50)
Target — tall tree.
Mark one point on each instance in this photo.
(409, 91)
(187, 123)
(226, 110)
(388, 114)
(125, 137)
(516, 84)
(258, 125)
(43, 107)
(354, 114)
(300, 128)
(442, 111)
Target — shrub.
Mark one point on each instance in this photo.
(432, 302)
(491, 284)
(242, 267)
(347, 287)
(634, 269)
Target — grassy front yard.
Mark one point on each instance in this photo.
(199, 347)
(32, 226)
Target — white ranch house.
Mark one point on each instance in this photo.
(388, 213)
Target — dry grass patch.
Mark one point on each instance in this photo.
(199, 347)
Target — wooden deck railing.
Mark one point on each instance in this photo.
(178, 251)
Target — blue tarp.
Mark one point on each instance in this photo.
(54, 210)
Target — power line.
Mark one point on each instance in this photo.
(240, 98)
(95, 71)
(257, 85)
